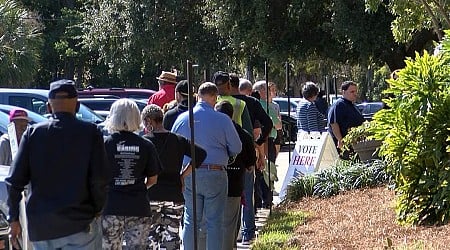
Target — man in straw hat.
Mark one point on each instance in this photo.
(166, 92)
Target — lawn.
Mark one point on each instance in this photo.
(358, 219)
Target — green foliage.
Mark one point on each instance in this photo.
(415, 137)
(358, 134)
(345, 175)
(278, 230)
(20, 41)
(413, 16)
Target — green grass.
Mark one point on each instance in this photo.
(278, 230)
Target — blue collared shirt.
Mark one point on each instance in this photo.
(214, 131)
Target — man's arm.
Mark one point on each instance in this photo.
(99, 174)
(265, 121)
(337, 133)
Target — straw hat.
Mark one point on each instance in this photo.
(167, 77)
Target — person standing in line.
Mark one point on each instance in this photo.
(166, 92)
(181, 96)
(21, 120)
(64, 163)
(344, 115)
(270, 149)
(235, 171)
(166, 197)
(215, 133)
(309, 118)
(275, 106)
(262, 125)
(241, 114)
(321, 103)
(135, 165)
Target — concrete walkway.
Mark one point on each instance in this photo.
(261, 217)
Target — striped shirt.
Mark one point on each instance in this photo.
(308, 117)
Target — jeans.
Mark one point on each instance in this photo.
(248, 209)
(91, 239)
(211, 198)
(231, 221)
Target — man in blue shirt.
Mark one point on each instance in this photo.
(343, 115)
(215, 133)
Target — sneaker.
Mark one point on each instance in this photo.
(245, 242)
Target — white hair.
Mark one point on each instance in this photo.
(260, 86)
(124, 115)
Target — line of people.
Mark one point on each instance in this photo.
(89, 192)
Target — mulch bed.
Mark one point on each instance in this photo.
(361, 219)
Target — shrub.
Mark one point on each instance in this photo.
(414, 132)
(345, 175)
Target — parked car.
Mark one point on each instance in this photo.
(36, 100)
(4, 117)
(101, 106)
(283, 103)
(288, 119)
(132, 93)
(368, 109)
(4, 224)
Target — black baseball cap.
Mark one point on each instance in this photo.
(220, 78)
(182, 87)
(67, 86)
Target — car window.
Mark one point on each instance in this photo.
(21, 101)
(98, 105)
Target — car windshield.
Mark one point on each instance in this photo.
(86, 114)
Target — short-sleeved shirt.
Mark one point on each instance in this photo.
(132, 159)
(345, 114)
(171, 150)
(273, 115)
(308, 117)
(165, 95)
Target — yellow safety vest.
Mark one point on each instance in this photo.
(238, 107)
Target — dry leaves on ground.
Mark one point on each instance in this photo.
(361, 219)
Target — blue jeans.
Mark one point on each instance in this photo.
(248, 209)
(211, 187)
(90, 239)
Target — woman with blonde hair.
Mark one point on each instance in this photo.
(135, 166)
(166, 197)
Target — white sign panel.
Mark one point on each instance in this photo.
(313, 151)
(13, 142)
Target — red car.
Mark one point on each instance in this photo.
(132, 93)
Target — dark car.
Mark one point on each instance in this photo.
(132, 93)
(289, 124)
(368, 109)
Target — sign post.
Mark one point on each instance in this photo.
(313, 151)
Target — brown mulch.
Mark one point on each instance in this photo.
(361, 219)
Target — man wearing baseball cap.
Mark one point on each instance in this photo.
(19, 118)
(181, 95)
(65, 161)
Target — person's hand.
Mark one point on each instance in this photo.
(183, 175)
(14, 232)
(261, 164)
(340, 144)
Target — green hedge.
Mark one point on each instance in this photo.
(345, 175)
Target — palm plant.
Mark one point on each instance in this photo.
(19, 44)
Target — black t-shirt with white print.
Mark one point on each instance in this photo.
(132, 159)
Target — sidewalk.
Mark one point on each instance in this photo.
(263, 214)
